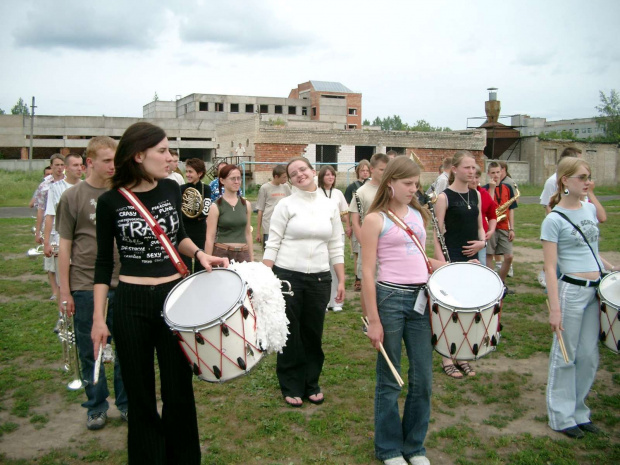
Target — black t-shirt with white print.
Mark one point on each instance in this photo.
(141, 253)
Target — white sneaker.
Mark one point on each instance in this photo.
(336, 309)
(108, 354)
(419, 460)
(395, 461)
(511, 272)
(498, 266)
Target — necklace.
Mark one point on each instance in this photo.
(466, 201)
(330, 193)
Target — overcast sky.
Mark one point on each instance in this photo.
(428, 59)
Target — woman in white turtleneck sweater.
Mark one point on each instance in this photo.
(305, 237)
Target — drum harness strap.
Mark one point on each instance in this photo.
(580, 282)
(157, 230)
(401, 224)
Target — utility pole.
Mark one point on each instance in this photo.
(32, 107)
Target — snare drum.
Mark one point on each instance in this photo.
(212, 316)
(609, 293)
(465, 301)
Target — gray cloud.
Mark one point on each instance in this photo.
(240, 27)
(74, 24)
(535, 57)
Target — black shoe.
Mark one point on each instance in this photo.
(574, 432)
(510, 292)
(589, 428)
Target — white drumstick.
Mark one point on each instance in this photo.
(100, 356)
(399, 380)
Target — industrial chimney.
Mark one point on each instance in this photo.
(492, 106)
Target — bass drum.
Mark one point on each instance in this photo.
(609, 293)
(465, 302)
(214, 320)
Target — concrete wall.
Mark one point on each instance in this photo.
(543, 156)
(23, 165)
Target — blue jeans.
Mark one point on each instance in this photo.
(395, 437)
(482, 256)
(96, 394)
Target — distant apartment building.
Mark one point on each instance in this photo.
(329, 102)
(582, 128)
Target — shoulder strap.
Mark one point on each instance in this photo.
(157, 230)
(401, 224)
(582, 235)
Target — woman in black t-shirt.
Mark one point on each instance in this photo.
(459, 218)
(146, 277)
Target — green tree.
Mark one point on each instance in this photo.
(1, 111)
(609, 114)
(20, 108)
(366, 123)
(395, 123)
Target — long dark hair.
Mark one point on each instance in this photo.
(137, 138)
(322, 174)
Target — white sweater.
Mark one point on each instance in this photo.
(305, 233)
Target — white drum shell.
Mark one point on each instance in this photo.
(206, 312)
(465, 308)
(609, 293)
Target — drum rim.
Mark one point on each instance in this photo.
(615, 305)
(466, 309)
(209, 324)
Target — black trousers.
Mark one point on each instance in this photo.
(300, 364)
(140, 331)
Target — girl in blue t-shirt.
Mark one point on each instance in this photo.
(573, 302)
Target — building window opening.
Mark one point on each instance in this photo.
(219, 106)
(313, 111)
(203, 106)
(352, 111)
(249, 108)
(278, 110)
(292, 110)
(264, 108)
(304, 111)
(234, 108)
(352, 126)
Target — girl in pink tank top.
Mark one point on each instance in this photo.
(403, 271)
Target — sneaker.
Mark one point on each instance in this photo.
(96, 421)
(589, 428)
(108, 354)
(53, 297)
(573, 432)
(395, 461)
(498, 266)
(125, 415)
(336, 309)
(511, 272)
(419, 460)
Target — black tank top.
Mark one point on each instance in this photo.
(461, 222)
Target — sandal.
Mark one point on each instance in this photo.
(316, 400)
(465, 368)
(295, 402)
(358, 285)
(452, 371)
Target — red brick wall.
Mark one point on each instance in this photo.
(432, 159)
(276, 153)
(354, 101)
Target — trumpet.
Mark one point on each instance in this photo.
(67, 336)
(502, 210)
(38, 250)
(432, 198)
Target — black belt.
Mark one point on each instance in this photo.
(581, 282)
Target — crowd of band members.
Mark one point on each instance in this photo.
(302, 232)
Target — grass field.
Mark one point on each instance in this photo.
(497, 417)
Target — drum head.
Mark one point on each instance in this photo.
(203, 297)
(466, 286)
(609, 289)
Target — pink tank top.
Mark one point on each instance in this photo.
(399, 259)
